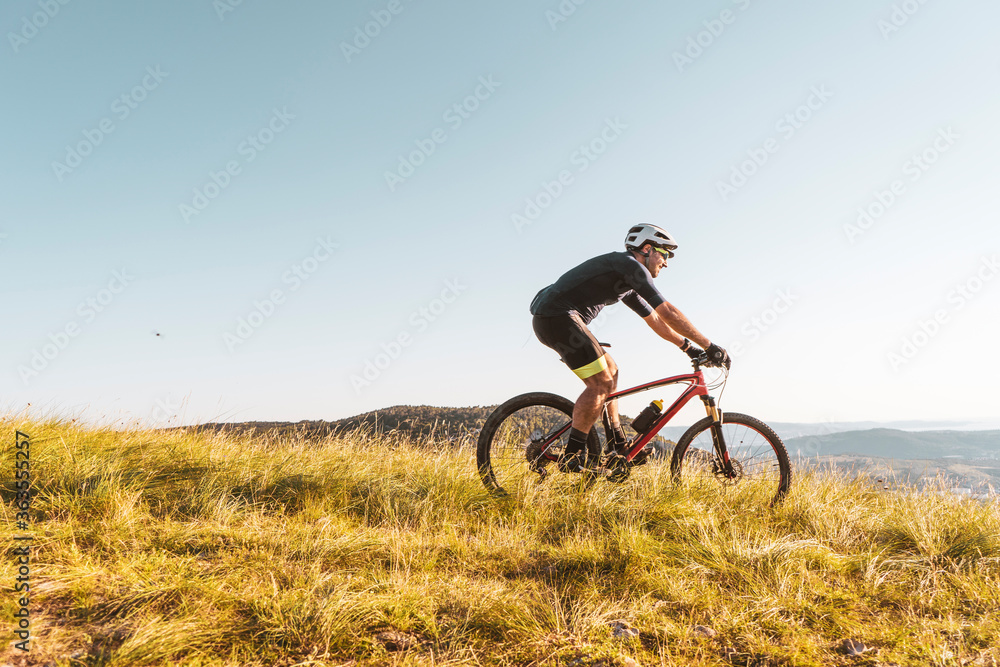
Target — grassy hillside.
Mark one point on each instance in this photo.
(209, 548)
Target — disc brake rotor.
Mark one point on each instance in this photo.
(725, 479)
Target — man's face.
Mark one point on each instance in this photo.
(656, 261)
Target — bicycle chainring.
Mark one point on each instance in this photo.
(618, 468)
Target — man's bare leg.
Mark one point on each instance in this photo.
(613, 405)
(588, 407)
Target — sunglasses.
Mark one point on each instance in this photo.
(663, 251)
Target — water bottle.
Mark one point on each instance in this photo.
(645, 419)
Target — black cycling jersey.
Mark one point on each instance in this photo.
(599, 282)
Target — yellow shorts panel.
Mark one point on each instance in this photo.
(593, 368)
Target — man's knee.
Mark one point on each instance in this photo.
(612, 370)
(603, 383)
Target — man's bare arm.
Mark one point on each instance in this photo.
(671, 324)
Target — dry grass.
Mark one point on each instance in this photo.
(157, 548)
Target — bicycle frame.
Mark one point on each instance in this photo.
(696, 387)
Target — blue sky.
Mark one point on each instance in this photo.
(186, 165)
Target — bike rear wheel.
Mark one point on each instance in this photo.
(517, 436)
(758, 457)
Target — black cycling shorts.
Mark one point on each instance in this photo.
(570, 337)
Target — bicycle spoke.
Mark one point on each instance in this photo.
(521, 439)
(757, 456)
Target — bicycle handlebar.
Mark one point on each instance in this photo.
(703, 360)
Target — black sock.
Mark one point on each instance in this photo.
(577, 442)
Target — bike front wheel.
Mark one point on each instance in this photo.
(519, 439)
(759, 460)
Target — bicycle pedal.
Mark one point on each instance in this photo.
(576, 464)
(618, 470)
(641, 457)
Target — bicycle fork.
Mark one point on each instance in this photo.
(718, 439)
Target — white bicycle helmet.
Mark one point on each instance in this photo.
(644, 233)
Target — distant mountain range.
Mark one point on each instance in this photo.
(965, 462)
(895, 444)
(898, 440)
(419, 421)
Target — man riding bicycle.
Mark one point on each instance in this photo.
(562, 311)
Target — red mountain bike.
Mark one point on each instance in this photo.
(522, 437)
